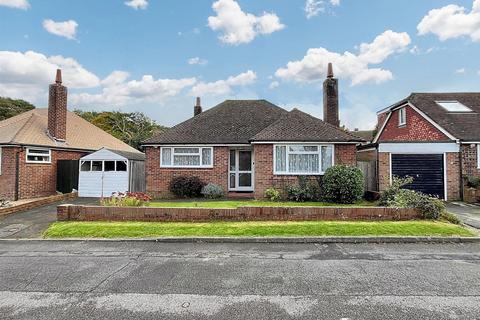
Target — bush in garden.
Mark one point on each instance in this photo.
(213, 191)
(429, 207)
(450, 217)
(304, 191)
(4, 203)
(128, 199)
(342, 184)
(186, 187)
(473, 182)
(272, 194)
(389, 194)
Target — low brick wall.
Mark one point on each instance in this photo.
(34, 203)
(97, 213)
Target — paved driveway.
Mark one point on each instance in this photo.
(32, 223)
(468, 213)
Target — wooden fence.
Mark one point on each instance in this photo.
(369, 170)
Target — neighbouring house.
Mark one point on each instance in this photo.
(40, 149)
(250, 145)
(432, 137)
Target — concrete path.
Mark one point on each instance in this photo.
(32, 223)
(145, 280)
(468, 213)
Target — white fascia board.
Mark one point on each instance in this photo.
(389, 115)
(304, 142)
(198, 145)
(418, 148)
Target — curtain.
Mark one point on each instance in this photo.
(167, 156)
(179, 160)
(303, 163)
(281, 159)
(327, 152)
(206, 156)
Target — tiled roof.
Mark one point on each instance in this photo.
(462, 125)
(366, 135)
(30, 128)
(300, 126)
(230, 122)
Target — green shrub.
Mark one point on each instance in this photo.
(305, 190)
(272, 194)
(450, 217)
(473, 182)
(342, 184)
(389, 194)
(4, 203)
(129, 199)
(429, 207)
(186, 187)
(213, 191)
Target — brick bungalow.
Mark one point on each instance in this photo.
(33, 142)
(248, 146)
(432, 137)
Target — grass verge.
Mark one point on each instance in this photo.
(251, 229)
(232, 204)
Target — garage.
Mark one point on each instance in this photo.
(427, 170)
(108, 171)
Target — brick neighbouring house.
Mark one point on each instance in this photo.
(32, 143)
(250, 145)
(433, 137)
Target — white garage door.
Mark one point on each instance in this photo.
(102, 178)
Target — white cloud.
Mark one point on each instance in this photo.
(274, 85)
(335, 2)
(355, 67)
(461, 71)
(137, 4)
(66, 29)
(313, 8)
(238, 27)
(17, 4)
(27, 75)
(197, 60)
(117, 91)
(224, 87)
(452, 21)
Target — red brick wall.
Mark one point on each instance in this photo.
(264, 177)
(7, 177)
(96, 213)
(469, 159)
(158, 179)
(416, 129)
(38, 179)
(35, 179)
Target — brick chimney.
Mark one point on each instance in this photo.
(57, 108)
(198, 107)
(330, 98)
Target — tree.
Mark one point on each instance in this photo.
(10, 107)
(132, 128)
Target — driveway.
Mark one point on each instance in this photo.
(32, 223)
(468, 213)
(182, 281)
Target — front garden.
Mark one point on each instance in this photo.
(341, 187)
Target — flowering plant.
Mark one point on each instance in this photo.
(126, 199)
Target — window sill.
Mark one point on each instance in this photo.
(299, 174)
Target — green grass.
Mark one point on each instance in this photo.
(239, 203)
(247, 229)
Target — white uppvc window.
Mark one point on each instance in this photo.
(478, 156)
(39, 155)
(186, 157)
(302, 159)
(402, 116)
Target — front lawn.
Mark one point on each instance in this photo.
(232, 204)
(252, 229)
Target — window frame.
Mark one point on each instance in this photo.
(478, 156)
(103, 165)
(200, 154)
(320, 172)
(402, 117)
(29, 153)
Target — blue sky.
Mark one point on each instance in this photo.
(156, 56)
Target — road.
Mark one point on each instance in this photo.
(147, 280)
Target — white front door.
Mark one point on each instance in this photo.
(240, 176)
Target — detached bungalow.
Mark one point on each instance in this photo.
(250, 145)
(35, 143)
(432, 137)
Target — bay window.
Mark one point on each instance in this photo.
(302, 159)
(186, 157)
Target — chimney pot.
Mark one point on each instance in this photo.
(58, 78)
(197, 109)
(330, 98)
